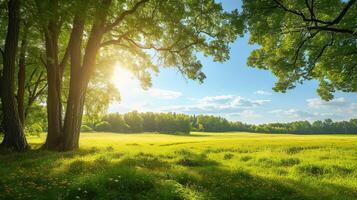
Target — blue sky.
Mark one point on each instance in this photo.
(232, 90)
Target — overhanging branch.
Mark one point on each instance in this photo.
(343, 12)
(324, 25)
(122, 16)
(333, 29)
(169, 49)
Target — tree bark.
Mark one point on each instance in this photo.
(74, 112)
(54, 102)
(14, 136)
(73, 119)
(80, 76)
(66, 138)
(21, 78)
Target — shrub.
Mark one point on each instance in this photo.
(103, 126)
(245, 158)
(294, 150)
(228, 156)
(85, 128)
(312, 170)
(289, 161)
(34, 129)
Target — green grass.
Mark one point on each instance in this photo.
(196, 166)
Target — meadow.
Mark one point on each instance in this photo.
(195, 166)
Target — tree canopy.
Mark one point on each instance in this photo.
(303, 40)
(142, 35)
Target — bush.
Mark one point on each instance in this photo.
(34, 129)
(85, 128)
(103, 126)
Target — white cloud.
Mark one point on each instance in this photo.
(319, 103)
(239, 101)
(262, 92)
(222, 104)
(213, 99)
(294, 113)
(338, 108)
(250, 114)
(164, 94)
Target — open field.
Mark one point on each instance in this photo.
(196, 166)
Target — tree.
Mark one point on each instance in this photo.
(302, 40)
(130, 31)
(101, 92)
(134, 120)
(14, 135)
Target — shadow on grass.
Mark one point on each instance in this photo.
(144, 176)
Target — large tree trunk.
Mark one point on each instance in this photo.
(80, 76)
(14, 136)
(54, 103)
(21, 79)
(73, 119)
(81, 70)
(74, 110)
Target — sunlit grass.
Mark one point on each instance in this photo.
(196, 166)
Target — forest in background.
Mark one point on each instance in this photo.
(134, 122)
(138, 122)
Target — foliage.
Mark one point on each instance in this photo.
(145, 122)
(78, 38)
(103, 126)
(34, 129)
(303, 40)
(85, 128)
(170, 34)
(134, 121)
(181, 123)
(305, 127)
(37, 115)
(100, 93)
(198, 166)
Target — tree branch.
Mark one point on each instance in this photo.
(122, 16)
(333, 29)
(323, 50)
(281, 5)
(2, 52)
(313, 19)
(65, 58)
(343, 12)
(43, 62)
(115, 42)
(302, 44)
(311, 67)
(312, 14)
(169, 49)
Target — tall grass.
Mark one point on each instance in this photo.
(197, 166)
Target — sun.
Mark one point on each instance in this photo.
(124, 80)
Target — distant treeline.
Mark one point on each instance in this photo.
(134, 122)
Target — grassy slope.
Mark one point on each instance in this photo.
(198, 166)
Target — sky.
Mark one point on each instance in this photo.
(231, 90)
